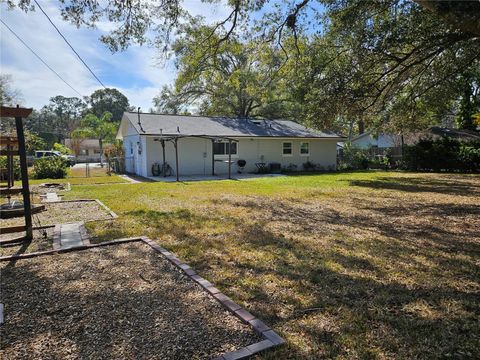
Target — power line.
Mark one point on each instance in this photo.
(71, 47)
(39, 58)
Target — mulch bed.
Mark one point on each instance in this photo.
(64, 212)
(124, 301)
(50, 187)
(38, 243)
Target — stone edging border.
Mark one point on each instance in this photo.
(105, 207)
(269, 336)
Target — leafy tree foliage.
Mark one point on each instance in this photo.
(108, 100)
(62, 149)
(240, 79)
(34, 142)
(397, 63)
(95, 127)
(169, 102)
(469, 105)
(57, 119)
(9, 96)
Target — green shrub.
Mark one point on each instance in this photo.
(308, 166)
(16, 167)
(289, 168)
(354, 158)
(50, 168)
(379, 162)
(469, 156)
(62, 149)
(443, 154)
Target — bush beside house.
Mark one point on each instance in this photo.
(443, 154)
(50, 168)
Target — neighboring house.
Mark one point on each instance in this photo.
(369, 140)
(203, 144)
(382, 141)
(85, 150)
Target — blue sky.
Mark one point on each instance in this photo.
(136, 72)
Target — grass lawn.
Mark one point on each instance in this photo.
(346, 265)
(76, 176)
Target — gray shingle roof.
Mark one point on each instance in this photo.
(156, 124)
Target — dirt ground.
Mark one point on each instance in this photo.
(117, 302)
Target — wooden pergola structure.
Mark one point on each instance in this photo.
(15, 146)
(174, 139)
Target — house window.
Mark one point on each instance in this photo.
(304, 149)
(131, 148)
(287, 149)
(97, 151)
(83, 152)
(221, 148)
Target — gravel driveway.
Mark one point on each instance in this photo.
(124, 301)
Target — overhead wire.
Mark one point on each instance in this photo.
(39, 58)
(68, 43)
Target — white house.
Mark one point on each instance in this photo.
(198, 145)
(85, 150)
(367, 140)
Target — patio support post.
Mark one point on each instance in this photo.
(229, 158)
(213, 157)
(163, 153)
(175, 143)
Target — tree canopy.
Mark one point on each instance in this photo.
(396, 63)
(100, 128)
(241, 79)
(108, 100)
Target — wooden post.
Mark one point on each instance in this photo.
(24, 170)
(10, 167)
(213, 157)
(229, 158)
(175, 143)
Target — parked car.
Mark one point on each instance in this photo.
(52, 153)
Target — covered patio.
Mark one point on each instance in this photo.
(186, 178)
(166, 172)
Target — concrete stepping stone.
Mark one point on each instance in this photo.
(70, 235)
(51, 197)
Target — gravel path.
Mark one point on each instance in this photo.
(124, 301)
(64, 212)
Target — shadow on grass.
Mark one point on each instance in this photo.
(449, 185)
(366, 310)
(375, 279)
(366, 298)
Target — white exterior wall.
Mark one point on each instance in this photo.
(383, 141)
(195, 154)
(135, 160)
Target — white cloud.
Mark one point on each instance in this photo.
(135, 72)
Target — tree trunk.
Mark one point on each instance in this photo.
(361, 127)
